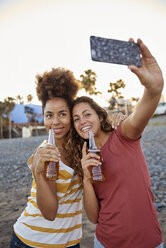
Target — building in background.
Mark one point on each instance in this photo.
(27, 121)
(28, 113)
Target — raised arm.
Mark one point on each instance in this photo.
(91, 205)
(151, 78)
(45, 189)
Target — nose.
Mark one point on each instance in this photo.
(55, 121)
(82, 120)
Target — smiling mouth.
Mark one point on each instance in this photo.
(86, 129)
(58, 130)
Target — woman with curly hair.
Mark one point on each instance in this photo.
(53, 215)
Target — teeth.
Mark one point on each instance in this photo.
(57, 130)
(84, 129)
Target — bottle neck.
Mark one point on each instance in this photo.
(92, 144)
(51, 137)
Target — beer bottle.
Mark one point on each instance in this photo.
(96, 171)
(52, 170)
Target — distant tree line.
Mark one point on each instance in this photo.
(87, 82)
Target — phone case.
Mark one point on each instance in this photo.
(115, 51)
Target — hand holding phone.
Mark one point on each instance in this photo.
(115, 51)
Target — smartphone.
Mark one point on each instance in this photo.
(115, 51)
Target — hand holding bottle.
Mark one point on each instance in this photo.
(41, 157)
(88, 160)
(91, 161)
(52, 166)
(96, 172)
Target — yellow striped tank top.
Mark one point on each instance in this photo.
(66, 230)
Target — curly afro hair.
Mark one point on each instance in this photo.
(58, 82)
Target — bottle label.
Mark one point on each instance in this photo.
(96, 171)
(52, 170)
(52, 167)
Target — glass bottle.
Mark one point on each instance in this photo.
(52, 170)
(96, 171)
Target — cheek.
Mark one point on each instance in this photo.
(67, 123)
(76, 127)
(47, 127)
(47, 123)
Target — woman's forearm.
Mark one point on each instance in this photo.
(46, 197)
(91, 205)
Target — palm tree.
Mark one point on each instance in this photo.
(19, 99)
(29, 98)
(88, 82)
(29, 115)
(2, 111)
(9, 106)
(115, 90)
(114, 87)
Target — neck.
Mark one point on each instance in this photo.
(59, 143)
(102, 139)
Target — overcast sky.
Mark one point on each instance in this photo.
(41, 34)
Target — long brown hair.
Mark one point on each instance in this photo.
(75, 138)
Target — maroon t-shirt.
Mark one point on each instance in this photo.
(127, 216)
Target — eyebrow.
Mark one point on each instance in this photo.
(49, 112)
(82, 112)
(63, 111)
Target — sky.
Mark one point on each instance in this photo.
(39, 35)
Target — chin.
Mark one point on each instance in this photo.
(85, 136)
